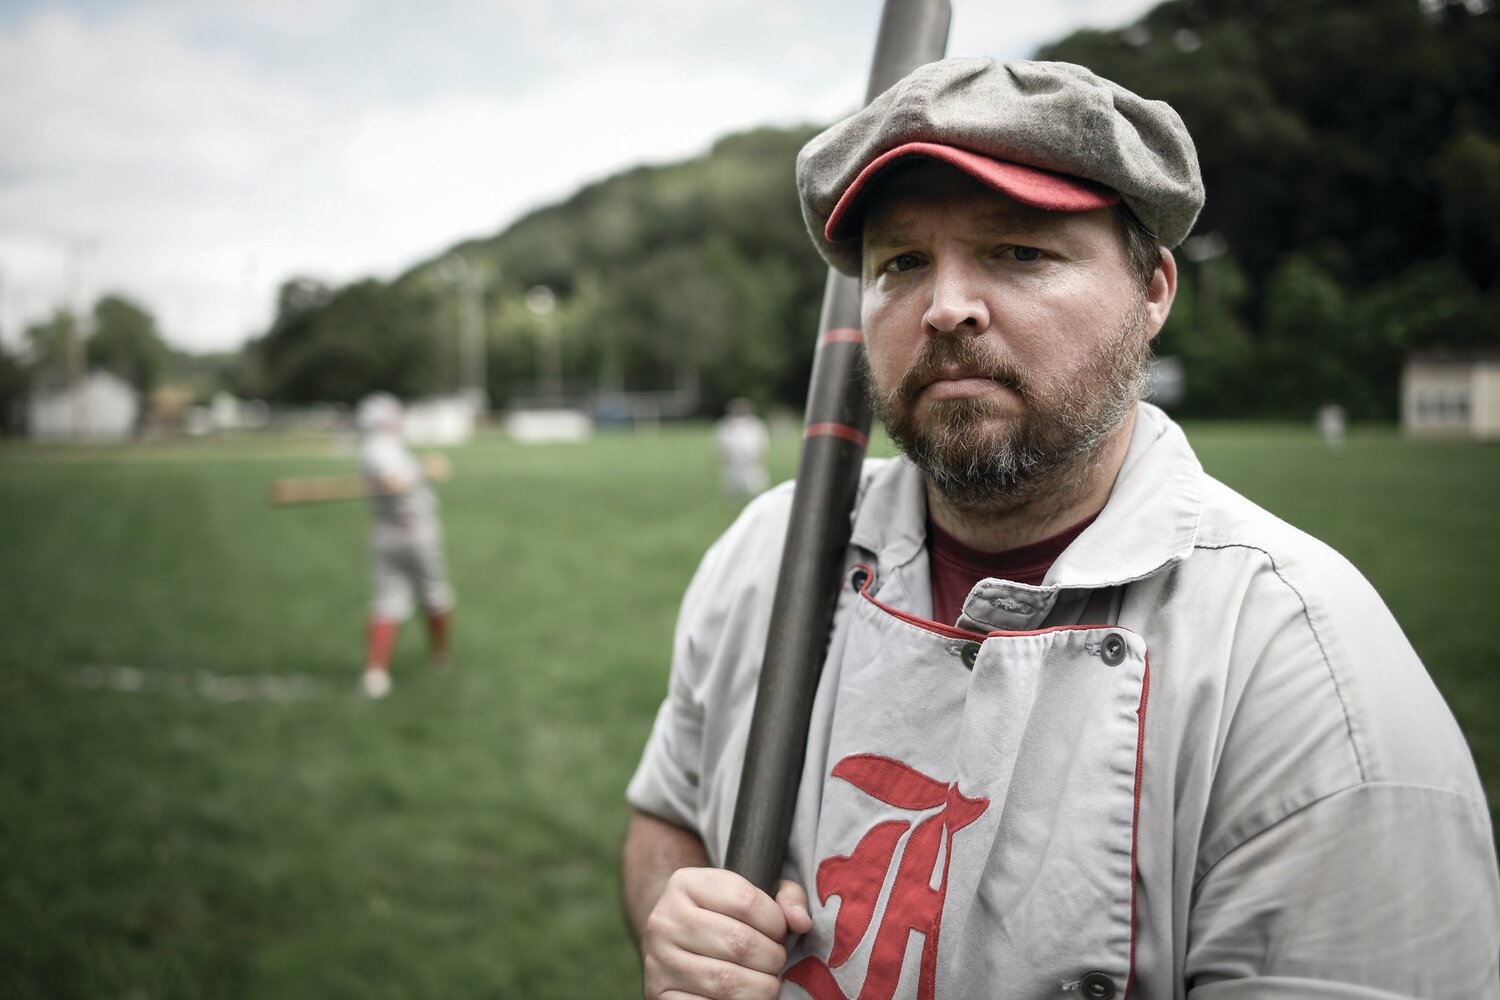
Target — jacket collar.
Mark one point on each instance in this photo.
(1151, 518)
(1149, 522)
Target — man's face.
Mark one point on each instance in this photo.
(1005, 343)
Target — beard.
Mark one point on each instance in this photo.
(985, 462)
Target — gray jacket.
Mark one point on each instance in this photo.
(1199, 760)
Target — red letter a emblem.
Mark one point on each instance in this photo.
(913, 905)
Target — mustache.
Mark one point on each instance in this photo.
(944, 355)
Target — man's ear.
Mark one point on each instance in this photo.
(1160, 293)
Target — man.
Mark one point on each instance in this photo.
(406, 541)
(1090, 724)
(742, 440)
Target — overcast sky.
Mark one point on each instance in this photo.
(194, 155)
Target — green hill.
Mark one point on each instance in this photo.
(1351, 150)
(696, 273)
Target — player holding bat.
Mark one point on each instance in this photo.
(1089, 723)
(406, 541)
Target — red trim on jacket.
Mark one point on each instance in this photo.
(953, 632)
(1135, 814)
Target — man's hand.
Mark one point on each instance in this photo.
(713, 935)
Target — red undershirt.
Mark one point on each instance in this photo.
(956, 567)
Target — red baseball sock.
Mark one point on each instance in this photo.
(382, 640)
(437, 635)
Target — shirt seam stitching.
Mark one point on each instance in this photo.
(1333, 676)
(1361, 785)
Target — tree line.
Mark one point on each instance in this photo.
(696, 274)
(1351, 154)
(1350, 149)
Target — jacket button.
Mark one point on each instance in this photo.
(969, 652)
(1096, 985)
(1112, 649)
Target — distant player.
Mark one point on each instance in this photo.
(1331, 422)
(743, 441)
(406, 541)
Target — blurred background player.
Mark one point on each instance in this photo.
(743, 441)
(1331, 423)
(406, 540)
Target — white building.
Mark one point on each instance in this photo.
(1453, 395)
(102, 407)
(440, 421)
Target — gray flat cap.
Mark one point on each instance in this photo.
(1049, 134)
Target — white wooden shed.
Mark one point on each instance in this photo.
(1453, 395)
(101, 407)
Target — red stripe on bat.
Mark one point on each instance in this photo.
(842, 335)
(844, 431)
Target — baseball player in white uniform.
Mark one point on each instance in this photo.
(406, 543)
(743, 441)
(1090, 725)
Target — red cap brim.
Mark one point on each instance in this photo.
(1028, 185)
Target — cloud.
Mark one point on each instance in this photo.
(465, 163)
(205, 153)
(129, 97)
(200, 183)
(1010, 30)
(119, 136)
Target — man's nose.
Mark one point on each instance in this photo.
(958, 303)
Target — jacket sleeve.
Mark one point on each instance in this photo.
(1347, 849)
(1379, 890)
(716, 648)
(668, 779)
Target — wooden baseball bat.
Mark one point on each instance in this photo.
(835, 432)
(320, 489)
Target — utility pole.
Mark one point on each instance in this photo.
(472, 373)
(1201, 251)
(78, 248)
(541, 301)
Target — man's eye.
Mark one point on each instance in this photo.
(1024, 254)
(903, 262)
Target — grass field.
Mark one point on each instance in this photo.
(195, 803)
